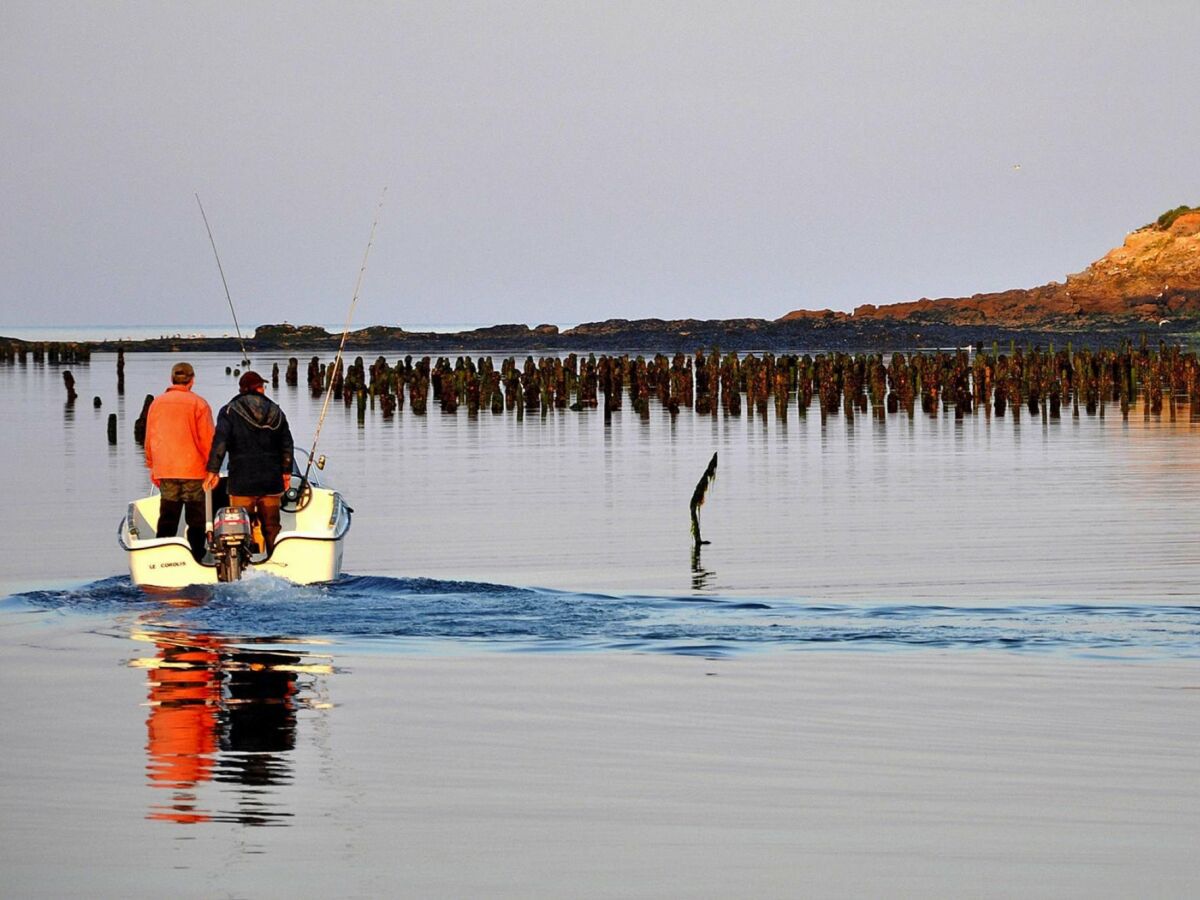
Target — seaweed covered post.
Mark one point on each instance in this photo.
(418, 389)
(494, 392)
(139, 425)
(315, 380)
(69, 384)
(702, 486)
(704, 404)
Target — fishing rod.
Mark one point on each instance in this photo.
(298, 492)
(237, 328)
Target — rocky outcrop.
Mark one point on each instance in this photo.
(1154, 275)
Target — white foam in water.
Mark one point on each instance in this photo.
(258, 585)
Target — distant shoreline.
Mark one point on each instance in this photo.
(657, 335)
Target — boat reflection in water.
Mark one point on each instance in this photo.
(223, 712)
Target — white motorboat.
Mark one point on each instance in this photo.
(314, 521)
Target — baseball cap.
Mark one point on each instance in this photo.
(249, 381)
(182, 373)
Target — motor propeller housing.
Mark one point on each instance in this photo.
(231, 536)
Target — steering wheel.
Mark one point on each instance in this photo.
(297, 497)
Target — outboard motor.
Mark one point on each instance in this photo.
(231, 535)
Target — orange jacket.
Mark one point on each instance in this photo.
(179, 432)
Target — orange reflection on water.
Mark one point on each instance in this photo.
(185, 700)
(221, 713)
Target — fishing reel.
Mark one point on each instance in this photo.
(297, 497)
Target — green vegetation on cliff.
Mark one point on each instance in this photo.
(1167, 219)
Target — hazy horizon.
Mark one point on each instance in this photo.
(552, 162)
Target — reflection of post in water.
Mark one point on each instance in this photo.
(700, 575)
(220, 713)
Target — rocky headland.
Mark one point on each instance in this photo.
(1153, 278)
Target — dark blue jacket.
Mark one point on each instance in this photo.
(254, 431)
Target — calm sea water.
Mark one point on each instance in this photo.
(562, 529)
(164, 736)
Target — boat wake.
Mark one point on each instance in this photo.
(416, 613)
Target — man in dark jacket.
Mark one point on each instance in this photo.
(254, 431)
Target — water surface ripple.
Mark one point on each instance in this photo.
(399, 613)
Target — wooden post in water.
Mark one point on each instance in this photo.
(1000, 392)
(495, 394)
(139, 426)
(112, 429)
(588, 383)
(449, 392)
(314, 377)
(731, 391)
(418, 392)
(474, 390)
(511, 382)
(703, 404)
(706, 479)
(120, 372)
(531, 385)
(69, 383)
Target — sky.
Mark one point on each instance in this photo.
(565, 162)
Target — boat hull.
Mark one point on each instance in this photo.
(308, 549)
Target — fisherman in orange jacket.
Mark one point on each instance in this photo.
(179, 433)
